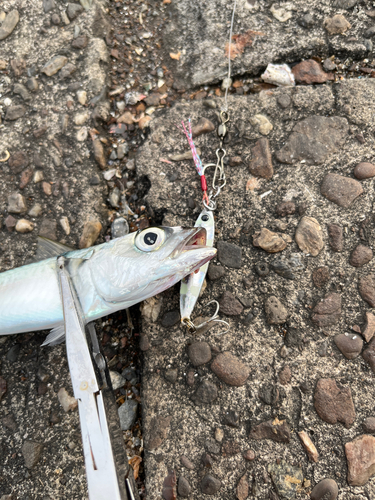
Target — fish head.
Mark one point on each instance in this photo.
(140, 265)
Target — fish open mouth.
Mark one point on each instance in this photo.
(195, 238)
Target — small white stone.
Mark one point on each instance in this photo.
(82, 134)
(7, 101)
(219, 434)
(278, 74)
(281, 14)
(66, 401)
(64, 221)
(117, 380)
(81, 118)
(24, 226)
(82, 97)
(38, 176)
(120, 106)
(36, 210)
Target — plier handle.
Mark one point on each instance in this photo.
(106, 461)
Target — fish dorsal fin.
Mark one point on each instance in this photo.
(48, 248)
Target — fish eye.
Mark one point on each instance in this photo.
(205, 218)
(150, 239)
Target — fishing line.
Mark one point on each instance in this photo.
(225, 107)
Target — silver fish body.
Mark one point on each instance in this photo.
(107, 278)
(191, 285)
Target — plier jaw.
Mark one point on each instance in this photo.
(106, 461)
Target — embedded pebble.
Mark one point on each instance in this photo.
(82, 97)
(171, 318)
(64, 222)
(24, 226)
(48, 229)
(276, 430)
(16, 203)
(183, 488)
(286, 208)
(309, 446)
(340, 190)
(210, 485)
(69, 403)
(232, 418)
(249, 455)
(261, 160)
(199, 353)
(229, 305)
(364, 170)
(229, 254)
(269, 241)
(186, 462)
(269, 394)
(99, 153)
(10, 222)
(369, 328)
(262, 124)
(320, 276)
(9, 23)
(219, 435)
(31, 452)
(3, 387)
(81, 118)
(369, 425)
(230, 369)
(334, 403)
(276, 312)
(325, 489)
(90, 234)
(47, 188)
(13, 113)
(309, 236)
(204, 126)
(82, 134)
(128, 414)
(119, 227)
(336, 238)
(117, 380)
(328, 311)
(242, 490)
(360, 256)
(215, 272)
(285, 375)
(360, 454)
(206, 393)
(286, 478)
(336, 25)
(349, 344)
(54, 65)
(309, 72)
(366, 287)
(73, 10)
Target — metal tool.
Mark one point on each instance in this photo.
(106, 462)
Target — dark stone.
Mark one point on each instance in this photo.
(326, 488)
(261, 162)
(293, 337)
(229, 254)
(171, 375)
(340, 190)
(285, 375)
(183, 488)
(262, 269)
(230, 448)
(313, 139)
(14, 112)
(215, 272)
(364, 170)
(269, 394)
(10, 223)
(199, 353)
(336, 238)
(232, 418)
(229, 305)
(285, 208)
(169, 486)
(80, 42)
(171, 318)
(206, 393)
(284, 101)
(366, 287)
(349, 344)
(13, 353)
(3, 387)
(360, 256)
(328, 311)
(40, 131)
(48, 5)
(334, 403)
(153, 99)
(276, 312)
(306, 21)
(186, 462)
(320, 276)
(210, 485)
(368, 425)
(9, 422)
(18, 161)
(48, 229)
(42, 388)
(204, 126)
(212, 446)
(73, 10)
(276, 430)
(207, 461)
(31, 452)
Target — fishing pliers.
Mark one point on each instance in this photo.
(108, 473)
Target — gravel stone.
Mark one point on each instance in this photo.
(242, 490)
(14, 112)
(309, 446)
(171, 375)
(269, 394)
(204, 126)
(276, 312)
(210, 485)
(249, 455)
(321, 276)
(366, 287)
(215, 272)
(285, 375)
(54, 65)
(13, 353)
(80, 42)
(3, 388)
(18, 161)
(340, 190)
(364, 170)
(336, 25)
(369, 328)
(309, 236)
(269, 241)
(328, 311)
(360, 256)
(73, 10)
(199, 353)
(128, 414)
(286, 478)
(261, 160)
(327, 488)
(313, 139)
(275, 430)
(206, 393)
(186, 462)
(169, 486)
(90, 234)
(10, 222)
(48, 5)
(31, 452)
(48, 229)
(336, 238)
(230, 369)
(334, 403)
(157, 432)
(360, 454)
(286, 208)
(69, 403)
(229, 305)
(16, 204)
(229, 254)
(349, 344)
(24, 226)
(171, 318)
(9, 23)
(310, 72)
(183, 488)
(232, 419)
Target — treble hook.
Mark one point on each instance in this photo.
(214, 319)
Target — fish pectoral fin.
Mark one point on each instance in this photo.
(55, 336)
(47, 248)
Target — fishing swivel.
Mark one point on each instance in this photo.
(214, 319)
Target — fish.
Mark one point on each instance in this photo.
(192, 284)
(107, 278)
